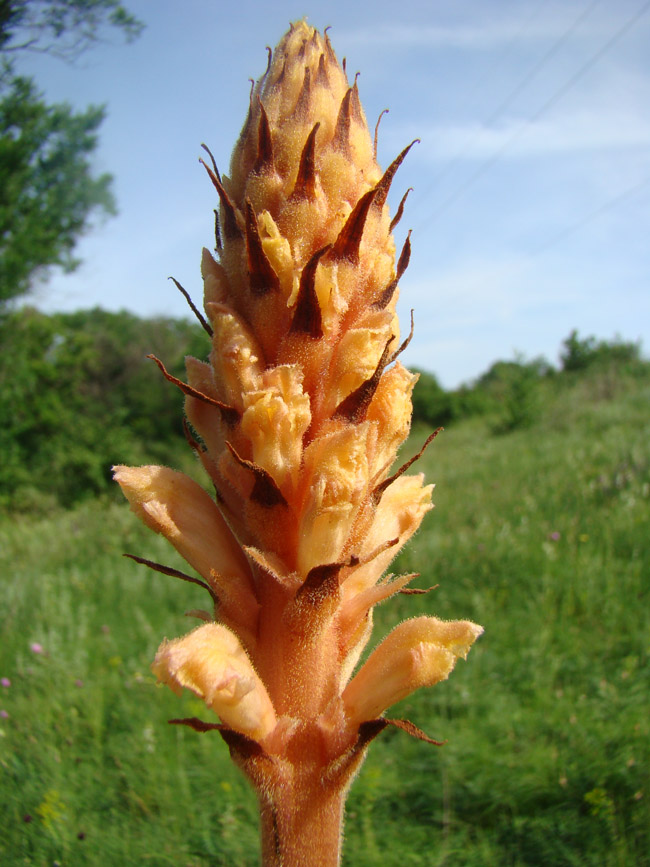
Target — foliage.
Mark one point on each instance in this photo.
(50, 193)
(541, 537)
(77, 395)
(513, 386)
(513, 393)
(64, 28)
(578, 355)
(432, 405)
(49, 190)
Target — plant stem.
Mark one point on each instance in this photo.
(301, 825)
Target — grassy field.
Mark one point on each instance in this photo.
(541, 535)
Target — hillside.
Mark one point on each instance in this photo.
(540, 534)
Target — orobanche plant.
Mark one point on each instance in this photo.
(297, 418)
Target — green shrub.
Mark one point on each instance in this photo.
(579, 354)
(432, 405)
(77, 394)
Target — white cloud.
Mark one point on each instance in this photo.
(487, 35)
(476, 25)
(586, 130)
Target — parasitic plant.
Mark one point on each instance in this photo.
(297, 417)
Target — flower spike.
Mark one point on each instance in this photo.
(297, 416)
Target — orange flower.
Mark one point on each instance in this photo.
(297, 417)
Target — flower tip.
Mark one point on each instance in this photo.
(419, 652)
(211, 662)
(473, 631)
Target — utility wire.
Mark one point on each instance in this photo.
(541, 63)
(591, 215)
(489, 73)
(514, 93)
(553, 99)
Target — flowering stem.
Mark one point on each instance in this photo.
(297, 418)
(301, 824)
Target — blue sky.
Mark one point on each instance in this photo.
(531, 202)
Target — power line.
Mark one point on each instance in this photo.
(553, 99)
(541, 63)
(591, 215)
(591, 62)
(489, 73)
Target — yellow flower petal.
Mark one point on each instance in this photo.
(398, 516)
(338, 465)
(418, 652)
(391, 408)
(236, 356)
(274, 421)
(211, 662)
(173, 504)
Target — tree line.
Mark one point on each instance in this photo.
(510, 392)
(77, 395)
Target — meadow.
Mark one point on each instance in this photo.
(540, 534)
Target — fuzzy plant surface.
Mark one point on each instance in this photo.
(297, 417)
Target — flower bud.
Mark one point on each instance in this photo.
(171, 503)
(418, 652)
(211, 662)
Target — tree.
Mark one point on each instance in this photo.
(64, 28)
(77, 394)
(49, 193)
(48, 188)
(432, 405)
(578, 354)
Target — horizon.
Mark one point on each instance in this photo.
(531, 179)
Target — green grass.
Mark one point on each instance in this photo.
(540, 535)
